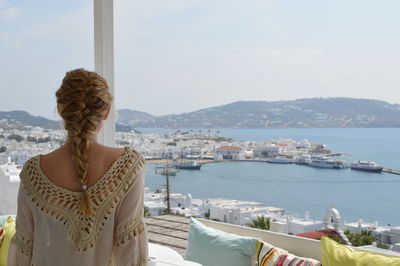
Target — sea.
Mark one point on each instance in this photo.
(298, 188)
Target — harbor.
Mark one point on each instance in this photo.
(234, 165)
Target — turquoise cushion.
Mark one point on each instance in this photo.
(212, 247)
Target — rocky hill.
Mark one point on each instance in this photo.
(25, 118)
(302, 113)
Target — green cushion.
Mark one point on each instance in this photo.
(4, 218)
(9, 231)
(334, 254)
(212, 247)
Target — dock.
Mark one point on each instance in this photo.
(391, 171)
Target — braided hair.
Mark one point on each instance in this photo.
(82, 101)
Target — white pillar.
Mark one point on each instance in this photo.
(104, 60)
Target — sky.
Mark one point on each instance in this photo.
(175, 56)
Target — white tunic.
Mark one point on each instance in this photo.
(51, 230)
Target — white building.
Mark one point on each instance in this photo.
(9, 185)
(155, 202)
(295, 225)
(265, 150)
(229, 153)
(240, 212)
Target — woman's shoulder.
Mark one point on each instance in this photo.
(126, 160)
(126, 153)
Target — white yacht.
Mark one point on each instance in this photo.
(366, 166)
(327, 163)
(302, 159)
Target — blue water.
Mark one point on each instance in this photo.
(296, 188)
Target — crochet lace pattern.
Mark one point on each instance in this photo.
(24, 245)
(106, 193)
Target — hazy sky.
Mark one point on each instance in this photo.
(174, 56)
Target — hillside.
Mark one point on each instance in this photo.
(27, 119)
(302, 113)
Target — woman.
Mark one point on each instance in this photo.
(81, 204)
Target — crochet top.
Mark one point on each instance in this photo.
(51, 230)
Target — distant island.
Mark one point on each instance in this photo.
(301, 113)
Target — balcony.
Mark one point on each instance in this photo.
(172, 231)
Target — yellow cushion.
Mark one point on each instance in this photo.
(334, 254)
(9, 231)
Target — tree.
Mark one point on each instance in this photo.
(3, 149)
(171, 144)
(31, 139)
(16, 137)
(44, 140)
(207, 215)
(363, 239)
(261, 223)
(382, 245)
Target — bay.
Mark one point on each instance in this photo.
(357, 195)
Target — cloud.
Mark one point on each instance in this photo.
(11, 13)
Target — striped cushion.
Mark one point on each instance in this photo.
(268, 255)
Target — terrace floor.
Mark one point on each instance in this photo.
(168, 230)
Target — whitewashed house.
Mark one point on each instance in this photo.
(265, 150)
(229, 153)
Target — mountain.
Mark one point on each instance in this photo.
(28, 119)
(132, 116)
(22, 118)
(301, 113)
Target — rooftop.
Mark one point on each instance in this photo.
(319, 234)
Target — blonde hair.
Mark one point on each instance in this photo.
(82, 101)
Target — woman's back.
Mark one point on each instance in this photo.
(60, 169)
(81, 204)
(52, 230)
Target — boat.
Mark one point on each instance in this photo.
(324, 162)
(366, 166)
(302, 159)
(280, 160)
(167, 170)
(190, 165)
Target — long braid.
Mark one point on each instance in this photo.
(82, 101)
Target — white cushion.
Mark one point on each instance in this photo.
(165, 256)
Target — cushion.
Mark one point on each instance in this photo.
(9, 231)
(212, 247)
(334, 254)
(1, 235)
(268, 255)
(3, 219)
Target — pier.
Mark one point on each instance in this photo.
(391, 171)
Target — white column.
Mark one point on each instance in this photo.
(104, 60)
